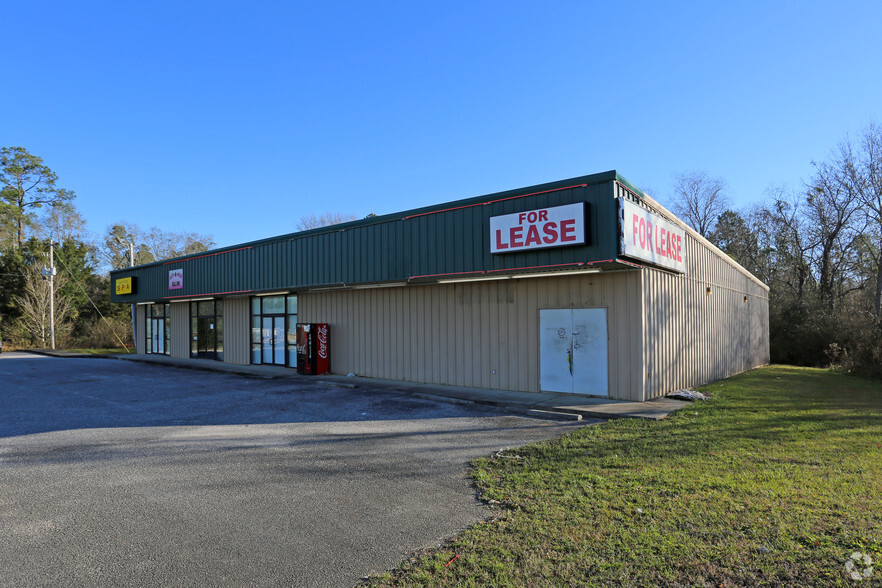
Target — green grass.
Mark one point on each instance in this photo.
(105, 351)
(775, 481)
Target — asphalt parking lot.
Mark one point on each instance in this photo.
(116, 473)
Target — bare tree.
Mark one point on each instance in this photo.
(312, 221)
(149, 246)
(834, 226)
(786, 239)
(699, 200)
(863, 169)
(62, 223)
(34, 305)
(168, 244)
(114, 249)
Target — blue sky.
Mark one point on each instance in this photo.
(237, 119)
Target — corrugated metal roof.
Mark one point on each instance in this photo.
(446, 239)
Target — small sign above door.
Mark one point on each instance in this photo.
(125, 286)
(176, 279)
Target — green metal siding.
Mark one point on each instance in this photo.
(424, 244)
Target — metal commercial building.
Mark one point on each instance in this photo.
(584, 285)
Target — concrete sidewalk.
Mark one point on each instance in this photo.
(538, 404)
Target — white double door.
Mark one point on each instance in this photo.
(573, 351)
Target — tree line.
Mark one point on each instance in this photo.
(818, 247)
(34, 211)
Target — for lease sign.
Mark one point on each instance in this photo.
(649, 237)
(533, 229)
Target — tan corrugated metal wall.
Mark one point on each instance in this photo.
(179, 341)
(692, 337)
(458, 334)
(237, 332)
(141, 326)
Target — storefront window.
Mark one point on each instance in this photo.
(273, 327)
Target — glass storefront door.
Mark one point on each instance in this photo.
(207, 329)
(205, 337)
(273, 322)
(157, 328)
(157, 332)
(274, 340)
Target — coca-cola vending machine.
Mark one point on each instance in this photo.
(313, 348)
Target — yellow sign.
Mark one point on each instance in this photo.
(124, 286)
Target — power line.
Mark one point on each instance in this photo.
(89, 298)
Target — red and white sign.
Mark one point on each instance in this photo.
(533, 229)
(323, 341)
(649, 237)
(176, 279)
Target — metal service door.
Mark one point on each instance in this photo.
(590, 352)
(555, 350)
(573, 351)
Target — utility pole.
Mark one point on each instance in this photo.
(131, 264)
(52, 292)
(49, 275)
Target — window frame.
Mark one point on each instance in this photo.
(258, 311)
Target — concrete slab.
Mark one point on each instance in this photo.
(496, 397)
(612, 410)
(62, 353)
(558, 416)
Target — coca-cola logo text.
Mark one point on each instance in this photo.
(323, 341)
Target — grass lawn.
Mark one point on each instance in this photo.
(775, 481)
(107, 351)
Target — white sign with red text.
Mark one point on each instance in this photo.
(649, 237)
(533, 229)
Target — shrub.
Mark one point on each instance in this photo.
(105, 332)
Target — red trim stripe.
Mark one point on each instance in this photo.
(211, 294)
(206, 255)
(442, 275)
(629, 190)
(536, 193)
(515, 269)
(622, 261)
(464, 274)
(497, 200)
